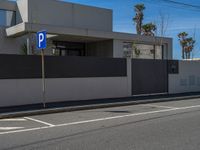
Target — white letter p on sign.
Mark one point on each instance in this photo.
(41, 39)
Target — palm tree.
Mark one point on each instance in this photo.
(139, 16)
(183, 42)
(189, 47)
(149, 29)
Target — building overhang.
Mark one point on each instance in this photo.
(8, 5)
(24, 28)
(66, 32)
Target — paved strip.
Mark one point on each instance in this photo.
(95, 106)
(10, 128)
(39, 121)
(16, 119)
(159, 106)
(97, 120)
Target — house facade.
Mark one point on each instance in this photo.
(73, 30)
(103, 70)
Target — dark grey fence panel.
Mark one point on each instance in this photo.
(21, 67)
(173, 66)
(149, 76)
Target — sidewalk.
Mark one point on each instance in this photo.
(28, 110)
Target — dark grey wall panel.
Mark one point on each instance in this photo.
(149, 76)
(60, 67)
(173, 66)
(20, 67)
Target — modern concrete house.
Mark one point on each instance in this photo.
(73, 30)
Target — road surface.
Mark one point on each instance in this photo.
(157, 126)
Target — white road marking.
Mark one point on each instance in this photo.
(159, 106)
(14, 119)
(39, 121)
(10, 128)
(101, 119)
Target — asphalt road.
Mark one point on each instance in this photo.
(157, 126)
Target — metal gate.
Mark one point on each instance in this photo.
(149, 76)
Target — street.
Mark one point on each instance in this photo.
(173, 125)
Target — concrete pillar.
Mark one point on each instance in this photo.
(129, 76)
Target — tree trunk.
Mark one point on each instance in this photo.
(154, 51)
(183, 53)
(188, 55)
(138, 29)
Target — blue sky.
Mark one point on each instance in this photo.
(180, 18)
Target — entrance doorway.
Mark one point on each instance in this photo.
(69, 48)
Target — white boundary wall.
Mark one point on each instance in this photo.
(188, 79)
(29, 91)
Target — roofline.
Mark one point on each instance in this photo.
(8, 5)
(84, 5)
(24, 28)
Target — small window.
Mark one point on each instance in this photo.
(7, 18)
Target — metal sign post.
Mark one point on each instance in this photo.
(41, 44)
(43, 80)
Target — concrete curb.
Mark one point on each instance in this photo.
(88, 107)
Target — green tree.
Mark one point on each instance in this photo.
(139, 16)
(189, 47)
(183, 42)
(149, 29)
(187, 44)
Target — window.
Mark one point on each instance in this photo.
(7, 18)
(68, 48)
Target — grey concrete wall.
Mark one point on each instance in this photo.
(22, 11)
(169, 47)
(9, 45)
(168, 50)
(65, 14)
(13, 45)
(118, 49)
(188, 79)
(15, 92)
(86, 88)
(129, 75)
(118, 46)
(100, 49)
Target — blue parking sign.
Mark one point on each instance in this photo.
(41, 40)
